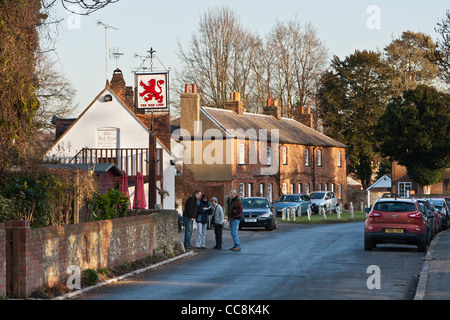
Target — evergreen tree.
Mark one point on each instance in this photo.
(414, 131)
(353, 96)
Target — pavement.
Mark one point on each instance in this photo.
(434, 281)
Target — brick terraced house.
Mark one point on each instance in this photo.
(256, 154)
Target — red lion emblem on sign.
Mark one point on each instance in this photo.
(150, 91)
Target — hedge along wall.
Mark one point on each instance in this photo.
(44, 254)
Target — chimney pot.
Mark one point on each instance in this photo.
(194, 88)
(275, 103)
(186, 88)
(269, 102)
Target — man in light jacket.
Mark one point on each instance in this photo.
(217, 216)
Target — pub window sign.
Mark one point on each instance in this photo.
(152, 90)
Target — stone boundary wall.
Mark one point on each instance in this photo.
(2, 260)
(40, 257)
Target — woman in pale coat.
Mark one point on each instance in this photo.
(203, 212)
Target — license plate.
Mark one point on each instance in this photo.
(250, 220)
(393, 230)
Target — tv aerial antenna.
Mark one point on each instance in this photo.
(115, 54)
(99, 23)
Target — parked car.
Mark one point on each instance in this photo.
(432, 214)
(443, 210)
(447, 199)
(323, 199)
(392, 220)
(300, 202)
(432, 219)
(257, 212)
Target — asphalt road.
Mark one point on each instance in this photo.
(293, 262)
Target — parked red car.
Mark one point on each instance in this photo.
(393, 220)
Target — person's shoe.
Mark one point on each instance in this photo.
(236, 249)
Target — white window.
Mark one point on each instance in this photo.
(269, 155)
(292, 188)
(249, 189)
(403, 189)
(242, 190)
(319, 157)
(319, 187)
(284, 190)
(269, 191)
(332, 187)
(284, 155)
(307, 188)
(339, 158)
(261, 189)
(299, 188)
(326, 187)
(306, 157)
(242, 153)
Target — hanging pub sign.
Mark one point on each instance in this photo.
(152, 90)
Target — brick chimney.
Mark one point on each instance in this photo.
(123, 92)
(272, 109)
(190, 110)
(235, 104)
(305, 116)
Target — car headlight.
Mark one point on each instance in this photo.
(265, 215)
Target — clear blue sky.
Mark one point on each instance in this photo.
(142, 24)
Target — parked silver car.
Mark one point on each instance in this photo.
(300, 202)
(323, 199)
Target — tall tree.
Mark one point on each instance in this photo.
(300, 60)
(18, 42)
(414, 58)
(224, 57)
(217, 59)
(53, 90)
(353, 96)
(414, 130)
(443, 29)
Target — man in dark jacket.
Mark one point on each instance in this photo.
(234, 217)
(189, 215)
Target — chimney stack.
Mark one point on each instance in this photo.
(190, 110)
(272, 109)
(305, 116)
(235, 104)
(120, 89)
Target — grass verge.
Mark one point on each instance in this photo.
(330, 218)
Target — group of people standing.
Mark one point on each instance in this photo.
(198, 208)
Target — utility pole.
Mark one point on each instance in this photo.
(152, 163)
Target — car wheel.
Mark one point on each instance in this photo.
(272, 226)
(422, 244)
(368, 245)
